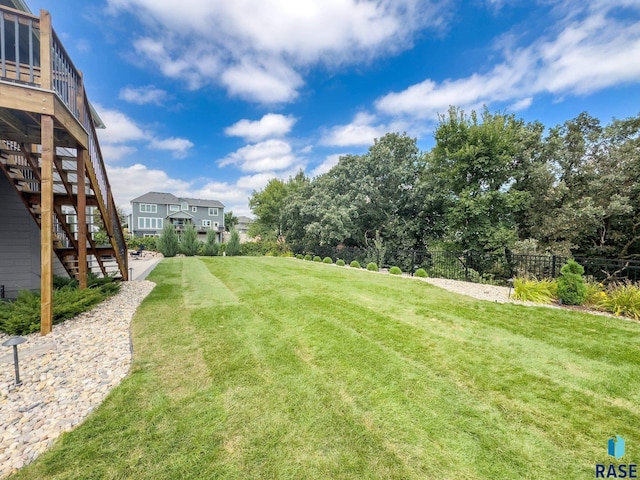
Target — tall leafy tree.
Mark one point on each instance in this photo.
(230, 221)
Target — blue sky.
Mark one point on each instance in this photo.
(211, 99)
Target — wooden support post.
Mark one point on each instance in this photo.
(45, 51)
(46, 225)
(81, 208)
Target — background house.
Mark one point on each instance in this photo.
(152, 211)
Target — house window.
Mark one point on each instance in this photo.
(146, 223)
(213, 212)
(184, 206)
(206, 223)
(174, 208)
(148, 208)
(216, 224)
(194, 209)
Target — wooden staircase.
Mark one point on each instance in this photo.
(49, 152)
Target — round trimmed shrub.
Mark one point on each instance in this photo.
(372, 267)
(395, 271)
(300, 256)
(307, 257)
(572, 290)
(317, 259)
(340, 262)
(327, 260)
(421, 272)
(355, 264)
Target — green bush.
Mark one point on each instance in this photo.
(395, 271)
(233, 247)
(354, 264)
(421, 272)
(22, 316)
(300, 256)
(372, 267)
(327, 260)
(149, 243)
(531, 290)
(317, 259)
(622, 299)
(340, 262)
(168, 241)
(572, 289)
(307, 257)
(211, 246)
(189, 244)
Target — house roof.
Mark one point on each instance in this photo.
(243, 219)
(168, 198)
(180, 215)
(17, 4)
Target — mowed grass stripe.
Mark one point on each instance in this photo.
(277, 368)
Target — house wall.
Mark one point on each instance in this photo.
(19, 244)
(162, 211)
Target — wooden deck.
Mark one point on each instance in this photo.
(50, 153)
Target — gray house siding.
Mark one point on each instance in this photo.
(19, 245)
(150, 212)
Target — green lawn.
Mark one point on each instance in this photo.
(278, 368)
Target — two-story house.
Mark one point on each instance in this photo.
(152, 211)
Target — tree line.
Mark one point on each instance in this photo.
(492, 183)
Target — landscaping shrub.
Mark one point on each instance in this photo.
(168, 241)
(211, 246)
(372, 267)
(354, 264)
(190, 245)
(622, 299)
(327, 260)
(22, 315)
(300, 256)
(531, 290)
(340, 262)
(317, 259)
(572, 289)
(149, 243)
(233, 247)
(421, 272)
(307, 257)
(595, 294)
(395, 271)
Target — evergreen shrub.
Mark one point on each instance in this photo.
(340, 262)
(395, 271)
(300, 256)
(355, 264)
(327, 260)
(421, 272)
(307, 257)
(372, 267)
(317, 259)
(572, 289)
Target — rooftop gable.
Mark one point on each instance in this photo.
(162, 198)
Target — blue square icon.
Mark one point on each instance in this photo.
(616, 446)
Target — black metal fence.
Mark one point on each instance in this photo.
(485, 267)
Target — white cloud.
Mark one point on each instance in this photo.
(270, 125)
(328, 163)
(122, 137)
(258, 49)
(520, 104)
(143, 95)
(275, 83)
(587, 52)
(265, 156)
(360, 132)
(179, 147)
(128, 183)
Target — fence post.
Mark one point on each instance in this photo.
(1, 291)
(413, 261)
(466, 266)
(553, 266)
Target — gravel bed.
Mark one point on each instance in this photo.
(65, 376)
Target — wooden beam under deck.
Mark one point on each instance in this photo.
(46, 226)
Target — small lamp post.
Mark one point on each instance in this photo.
(14, 342)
